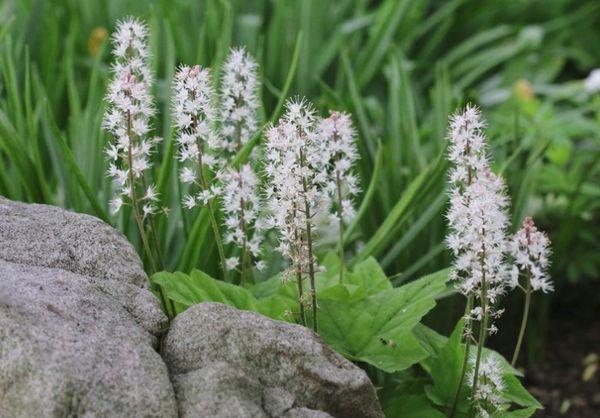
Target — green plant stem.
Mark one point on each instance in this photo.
(211, 212)
(244, 271)
(299, 280)
(300, 294)
(482, 336)
(133, 196)
(311, 266)
(463, 373)
(523, 320)
(136, 210)
(341, 232)
(245, 256)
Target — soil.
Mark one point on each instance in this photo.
(566, 380)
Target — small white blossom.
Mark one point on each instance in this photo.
(115, 204)
(592, 83)
(232, 263)
(189, 202)
(187, 175)
(151, 193)
(260, 265)
(148, 209)
(530, 249)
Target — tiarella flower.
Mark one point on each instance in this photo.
(292, 179)
(128, 113)
(239, 101)
(338, 140)
(194, 116)
(477, 218)
(488, 398)
(232, 263)
(592, 83)
(241, 205)
(296, 174)
(530, 249)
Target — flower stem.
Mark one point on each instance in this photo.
(211, 213)
(523, 320)
(133, 196)
(463, 373)
(338, 184)
(311, 264)
(136, 211)
(482, 336)
(300, 295)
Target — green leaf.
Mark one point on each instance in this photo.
(378, 329)
(515, 392)
(199, 287)
(446, 371)
(519, 413)
(412, 406)
(370, 276)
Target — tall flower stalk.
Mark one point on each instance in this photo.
(338, 140)
(194, 114)
(530, 249)
(129, 110)
(238, 122)
(295, 170)
(478, 222)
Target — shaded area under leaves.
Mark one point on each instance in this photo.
(572, 350)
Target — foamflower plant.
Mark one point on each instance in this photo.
(530, 249)
(128, 115)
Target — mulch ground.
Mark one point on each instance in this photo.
(567, 379)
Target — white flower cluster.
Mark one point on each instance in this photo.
(242, 207)
(239, 101)
(338, 143)
(127, 117)
(488, 398)
(296, 172)
(530, 249)
(194, 117)
(477, 217)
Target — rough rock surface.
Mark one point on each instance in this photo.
(230, 363)
(78, 327)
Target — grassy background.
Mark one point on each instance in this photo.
(401, 67)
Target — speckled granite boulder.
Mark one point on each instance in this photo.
(47, 236)
(78, 327)
(230, 363)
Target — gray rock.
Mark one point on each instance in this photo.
(232, 363)
(47, 236)
(42, 235)
(78, 327)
